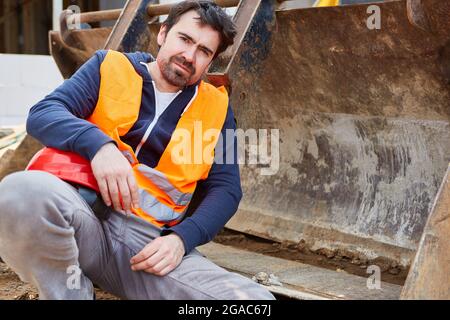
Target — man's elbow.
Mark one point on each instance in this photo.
(237, 196)
(34, 124)
(30, 124)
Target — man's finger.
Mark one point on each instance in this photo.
(147, 264)
(166, 270)
(145, 253)
(124, 193)
(114, 193)
(133, 189)
(103, 186)
(151, 261)
(160, 266)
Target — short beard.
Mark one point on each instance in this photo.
(174, 76)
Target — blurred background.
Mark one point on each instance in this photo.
(27, 71)
(24, 24)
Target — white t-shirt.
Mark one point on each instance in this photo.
(162, 101)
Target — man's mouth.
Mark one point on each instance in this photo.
(183, 67)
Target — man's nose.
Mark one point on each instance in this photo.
(189, 55)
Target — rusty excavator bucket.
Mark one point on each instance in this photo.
(355, 99)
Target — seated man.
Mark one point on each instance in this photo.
(125, 115)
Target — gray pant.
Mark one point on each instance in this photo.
(50, 237)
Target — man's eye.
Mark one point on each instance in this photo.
(184, 39)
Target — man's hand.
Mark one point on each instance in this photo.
(160, 256)
(115, 178)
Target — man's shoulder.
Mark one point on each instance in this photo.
(210, 89)
(139, 56)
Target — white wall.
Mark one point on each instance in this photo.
(24, 81)
(57, 9)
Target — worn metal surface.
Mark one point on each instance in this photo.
(130, 32)
(417, 15)
(69, 55)
(71, 48)
(163, 9)
(429, 276)
(364, 125)
(301, 281)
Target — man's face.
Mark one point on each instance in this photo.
(186, 50)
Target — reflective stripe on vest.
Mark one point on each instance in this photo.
(166, 190)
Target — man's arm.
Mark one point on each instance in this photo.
(219, 197)
(58, 120)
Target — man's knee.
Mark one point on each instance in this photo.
(262, 293)
(249, 290)
(22, 193)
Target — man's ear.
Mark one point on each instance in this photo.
(162, 35)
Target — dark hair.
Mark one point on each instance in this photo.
(210, 14)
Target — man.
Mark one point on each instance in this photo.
(123, 113)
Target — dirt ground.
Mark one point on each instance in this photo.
(11, 288)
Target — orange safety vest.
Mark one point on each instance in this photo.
(166, 190)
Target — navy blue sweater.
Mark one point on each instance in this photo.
(58, 121)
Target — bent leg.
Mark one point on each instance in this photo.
(195, 278)
(49, 236)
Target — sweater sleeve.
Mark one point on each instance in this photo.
(58, 120)
(218, 196)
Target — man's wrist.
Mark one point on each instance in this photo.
(178, 239)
